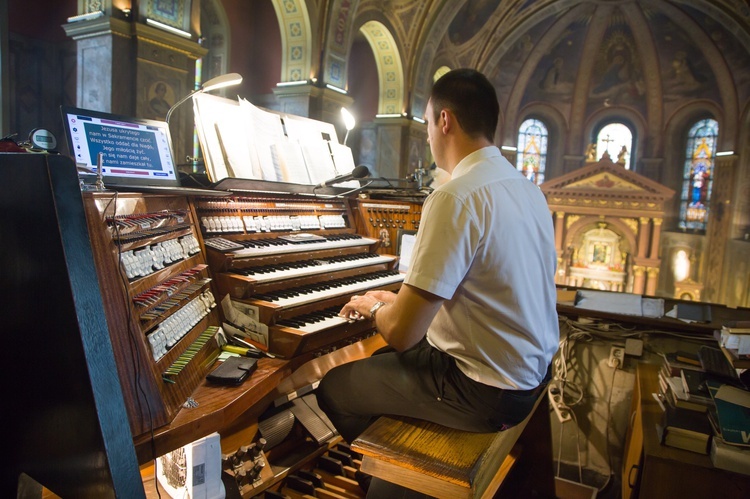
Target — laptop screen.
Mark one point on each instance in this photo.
(136, 151)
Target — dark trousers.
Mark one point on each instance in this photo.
(422, 383)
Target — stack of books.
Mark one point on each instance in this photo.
(705, 410)
(674, 388)
(687, 401)
(730, 421)
(734, 340)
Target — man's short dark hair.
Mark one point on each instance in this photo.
(472, 99)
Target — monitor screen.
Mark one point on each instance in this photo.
(135, 151)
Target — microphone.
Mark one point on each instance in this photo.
(360, 171)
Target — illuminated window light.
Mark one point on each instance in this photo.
(166, 27)
(291, 83)
(86, 17)
(336, 89)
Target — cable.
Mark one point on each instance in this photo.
(609, 412)
(132, 339)
(332, 196)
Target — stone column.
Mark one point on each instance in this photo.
(638, 279)
(719, 226)
(120, 64)
(652, 281)
(401, 142)
(655, 238)
(559, 230)
(652, 168)
(643, 233)
(105, 74)
(311, 101)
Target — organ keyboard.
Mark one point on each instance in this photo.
(300, 261)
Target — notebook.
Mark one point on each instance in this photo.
(137, 152)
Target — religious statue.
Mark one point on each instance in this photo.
(621, 155)
(591, 152)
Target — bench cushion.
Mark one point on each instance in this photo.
(436, 460)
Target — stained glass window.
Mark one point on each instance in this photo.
(617, 140)
(531, 159)
(698, 174)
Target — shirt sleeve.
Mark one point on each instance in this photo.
(446, 243)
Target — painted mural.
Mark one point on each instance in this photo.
(470, 19)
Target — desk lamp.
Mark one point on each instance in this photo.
(222, 81)
(349, 122)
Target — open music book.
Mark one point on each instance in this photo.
(240, 140)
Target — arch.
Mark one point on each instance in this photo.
(440, 72)
(296, 39)
(557, 128)
(584, 223)
(674, 140)
(623, 115)
(390, 67)
(533, 149)
(420, 78)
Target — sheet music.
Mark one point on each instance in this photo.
(342, 158)
(318, 160)
(236, 153)
(241, 140)
(290, 162)
(264, 129)
(208, 112)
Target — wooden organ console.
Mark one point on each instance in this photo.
(295, 257)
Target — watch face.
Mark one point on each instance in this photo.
(43, 139)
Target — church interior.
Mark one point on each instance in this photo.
(632, 117)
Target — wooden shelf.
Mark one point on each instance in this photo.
(218, 406)
(664, 471)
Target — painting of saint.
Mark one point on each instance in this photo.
(158, 103)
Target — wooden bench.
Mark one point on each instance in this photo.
(447, 463)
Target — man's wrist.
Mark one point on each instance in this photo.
(375, 309)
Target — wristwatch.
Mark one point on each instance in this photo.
(375, 308)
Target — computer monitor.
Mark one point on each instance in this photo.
(137, 151)
(405, 244)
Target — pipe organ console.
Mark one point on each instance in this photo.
(165, 262)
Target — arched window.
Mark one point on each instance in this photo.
(440, 72)
(698, 174)
(531, 159)
(617, 140)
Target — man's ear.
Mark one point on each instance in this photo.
(447, 119)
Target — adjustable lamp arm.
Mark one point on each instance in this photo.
(222, 81)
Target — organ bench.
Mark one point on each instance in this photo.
(447, 463)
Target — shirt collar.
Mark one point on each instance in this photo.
(465, 165)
